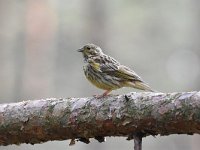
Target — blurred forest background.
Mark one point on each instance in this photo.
(160, 40)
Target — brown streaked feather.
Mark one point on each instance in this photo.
(129, 74)
(140, 85)
(107, 73)
(112, 67)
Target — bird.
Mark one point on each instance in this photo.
(108, 74)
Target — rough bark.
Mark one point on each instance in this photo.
(147, 113)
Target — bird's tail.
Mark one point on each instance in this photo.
(142, 86)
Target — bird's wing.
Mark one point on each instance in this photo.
(127, 73)
(109, 64)
(103, 63)
(114, 68)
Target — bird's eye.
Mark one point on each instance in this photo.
(88, 48)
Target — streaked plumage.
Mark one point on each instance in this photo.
(108, 74)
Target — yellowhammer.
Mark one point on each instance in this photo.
(108, 74)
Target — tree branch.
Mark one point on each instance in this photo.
(83, 118)
(137, 142)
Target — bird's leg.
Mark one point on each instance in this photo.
(104, 94)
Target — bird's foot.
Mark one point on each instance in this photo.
(99, 96)
(106, 93)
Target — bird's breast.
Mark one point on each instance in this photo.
(100, 79)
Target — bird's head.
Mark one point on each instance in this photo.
(90, 50)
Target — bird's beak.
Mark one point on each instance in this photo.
(80, 50)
